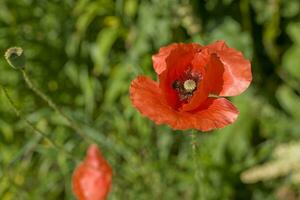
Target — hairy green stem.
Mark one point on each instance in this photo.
(35, 129)
(198, 172)
(43, 96)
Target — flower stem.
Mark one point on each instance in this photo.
(35, 129)
(43, 96)
(198, 172)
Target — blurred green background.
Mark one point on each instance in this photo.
(85, 53)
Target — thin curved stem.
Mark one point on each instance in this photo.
(35, 129)
(43, 96)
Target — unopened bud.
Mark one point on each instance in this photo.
(15, 57)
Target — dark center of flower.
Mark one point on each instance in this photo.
(186, 84)
(185, 88)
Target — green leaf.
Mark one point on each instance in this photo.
(290, 61)
(289, 100)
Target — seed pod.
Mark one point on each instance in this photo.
(15, 57)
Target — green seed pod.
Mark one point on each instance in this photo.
(15, 57)
(189, 85)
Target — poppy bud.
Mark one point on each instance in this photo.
(92, 178)
(15, 57)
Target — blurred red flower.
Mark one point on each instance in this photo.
(193, 81)
(92, 178)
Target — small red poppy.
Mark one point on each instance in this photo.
(193, 81)
(92, 178)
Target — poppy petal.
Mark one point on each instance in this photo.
(200, 61)
(177, 62)
(160, 59)
(212, 81)
(147, 97)
(214, 113)
(237, 70)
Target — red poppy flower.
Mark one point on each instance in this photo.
(193, 81)
(92, 178)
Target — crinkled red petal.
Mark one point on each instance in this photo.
(212, 79)
(147, 97)
(237, 74)
(212, 114)
(160, 59)
(178, 62)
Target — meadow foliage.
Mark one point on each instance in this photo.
(84, 54)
